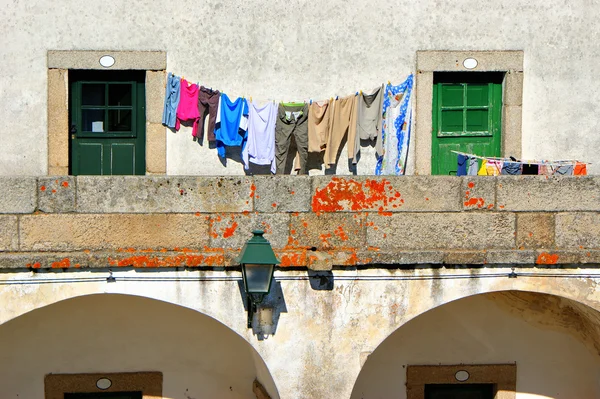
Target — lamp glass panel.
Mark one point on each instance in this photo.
(258, 277)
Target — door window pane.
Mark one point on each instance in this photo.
(477, 120)
(452, 121)
(92, 94)
(92, 120)
(119, 94)
(119, 120)
(477, 95)
(452, 95)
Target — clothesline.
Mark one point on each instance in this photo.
(275, 101)
(526, 162)
(263, 131)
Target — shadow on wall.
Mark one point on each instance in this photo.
(553, 341)
(198, 356)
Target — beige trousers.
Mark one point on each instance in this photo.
(342, 123)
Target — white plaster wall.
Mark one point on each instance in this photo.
(552, 361)
(199, 357)
(299, 50)
(320, 337)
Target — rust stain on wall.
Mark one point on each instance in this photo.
(346, 194)
(547, 259)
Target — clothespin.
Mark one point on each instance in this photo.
(331, 99)
(389, 82)
(356, 94)
(361, 92)
(336, 97)
(311, 101)
(250, 98)
(183, 78)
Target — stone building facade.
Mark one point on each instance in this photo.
(388, 286)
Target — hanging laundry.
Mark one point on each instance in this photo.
(580, 169)
(511, 168)
(563, 170)
(529, 169)
(483, 169)
(231, 124)
(544, 169)
(319, 116)
(187, 110)
(462, 165)
(292, 119)
(172, 93)
(343, 125)
(368, 123)
(395, 128)
(260, 144)
(473, 166)
(208, 103)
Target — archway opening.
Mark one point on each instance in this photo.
(553, 343)
(109, 333)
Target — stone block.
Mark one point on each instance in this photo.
(69, 232)
(19, 194)
(510, 257)
(423, 126)
(155, 95)
(56, 194)
(89, 59)
(464, 257)
(156, 149)
(282, 193)
(513, 88)
(577, 230)
(386, 194)
(558, 257)
(548, 194)
(143, 194)
(232, 230)
(443, 231)
(535, 230)
(374, 256)
(58, 122)
(478, 193)
(9, 233)
(327, 231)
(512, 125)
(444, 60)
(292, 258)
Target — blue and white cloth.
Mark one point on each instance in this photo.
(395, 129)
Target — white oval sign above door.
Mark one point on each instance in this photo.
(470, 63)
(107, 61)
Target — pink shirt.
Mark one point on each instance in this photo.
(188, 106)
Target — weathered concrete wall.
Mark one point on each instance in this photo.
(555, 354)
(317, 50)
(315, 222)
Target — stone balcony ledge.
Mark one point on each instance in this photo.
(315, 222)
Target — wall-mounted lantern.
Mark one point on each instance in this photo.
(258, 263)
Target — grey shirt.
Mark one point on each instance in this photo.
(368, 123)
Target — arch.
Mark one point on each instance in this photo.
(553, 340)
(197, 355)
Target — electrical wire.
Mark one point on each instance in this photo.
(111, 278)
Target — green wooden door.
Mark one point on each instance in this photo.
(108, 123)
(459, 391)
(467, 111)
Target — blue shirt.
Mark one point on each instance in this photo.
(171, 101)
(232, 123)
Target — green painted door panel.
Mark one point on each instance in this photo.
(122, 158)
(90, 157)
(108, 122)
(467, 110)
